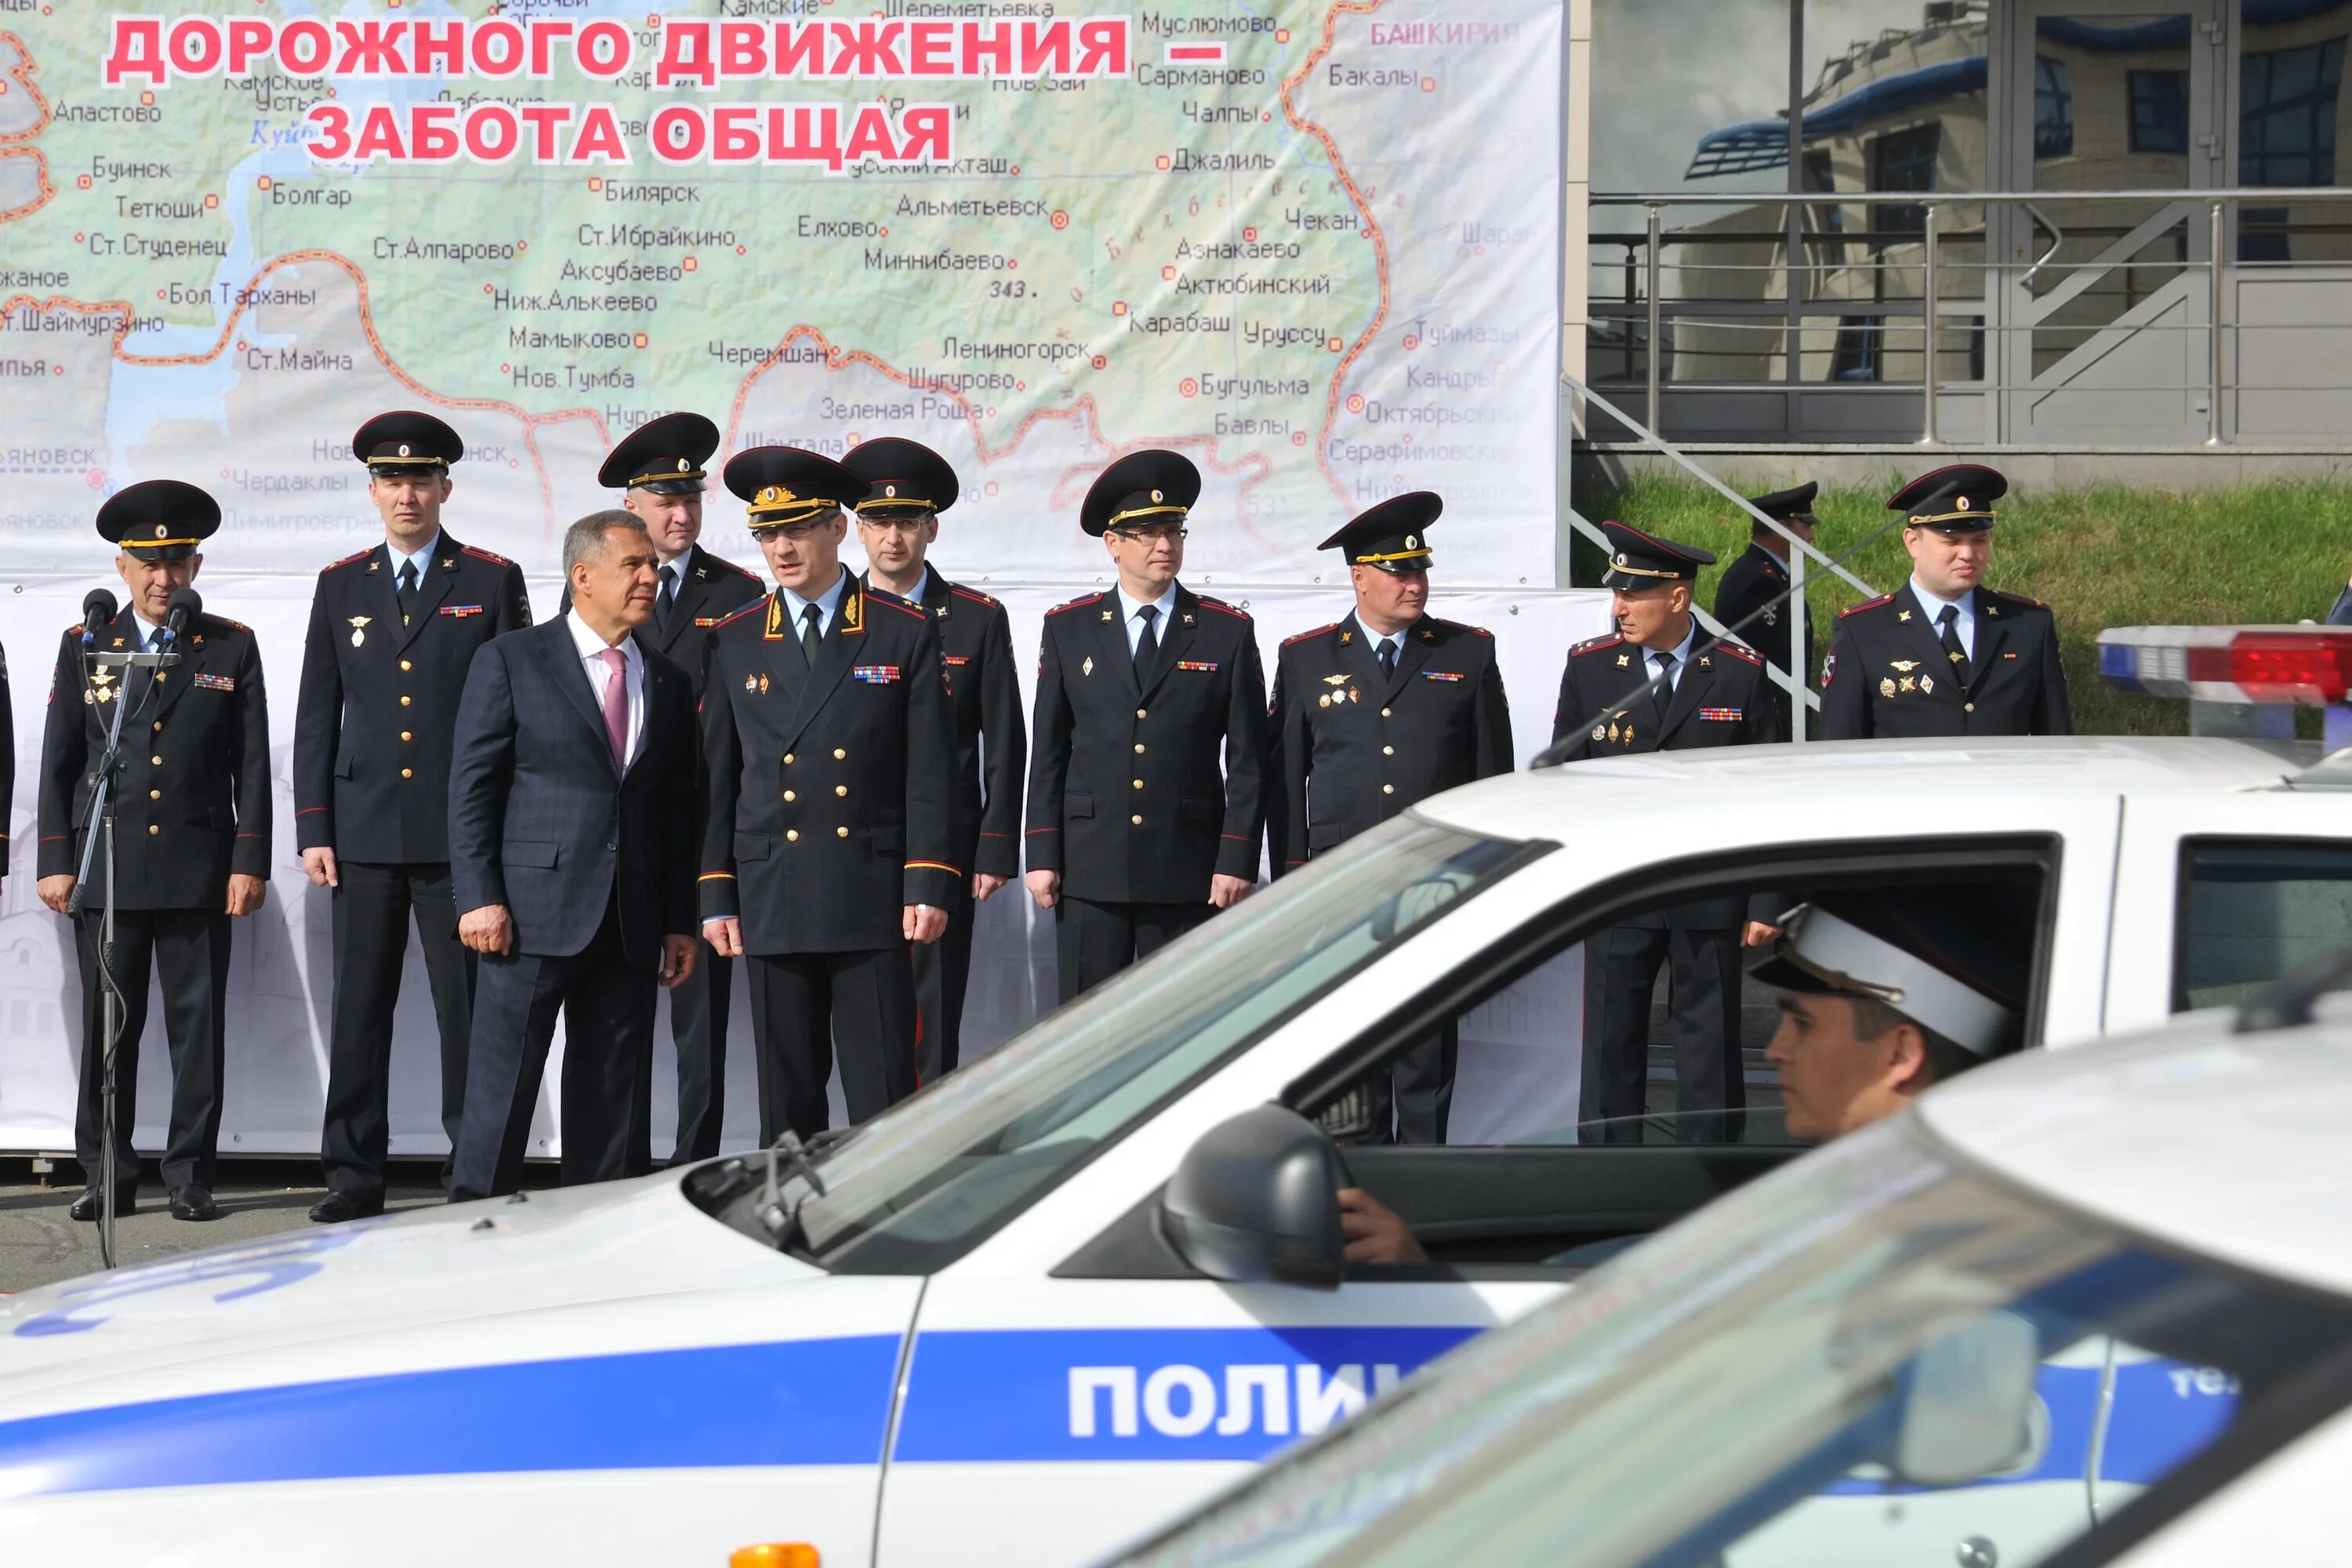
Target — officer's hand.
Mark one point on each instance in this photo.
(1046, 887)
(319, 865)
(923, 923)
(487, 929)
(983, 884)
(1226, 892)
(1759, 934)
(725, 936)
(56, 891)
(1373, 1232)
(244, 895)
(677, 960)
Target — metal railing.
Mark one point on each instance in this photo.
(1810, 244)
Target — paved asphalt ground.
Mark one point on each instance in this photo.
(39, 1246)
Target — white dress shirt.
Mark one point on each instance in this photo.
(422, 557)
(1682, 652)
(1967, 624)
(826, 604)
(591, 657)
(1130, 608)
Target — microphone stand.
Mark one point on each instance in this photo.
(112, 1005)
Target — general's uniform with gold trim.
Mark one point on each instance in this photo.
(382, 673)
(1889, 673)
(830, 808)
(192, 809)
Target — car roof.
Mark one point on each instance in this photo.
(1560, 801)
(2228, 1145)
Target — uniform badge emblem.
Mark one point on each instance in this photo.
(1106, 617)
(1613, 732)
(358, 629)
(763, 685)
(1902, 615)
(1624, 661)
(1954, 658)
(1599, 731)
(1906, 684)
(1324, 700)
(1927, 684)
(750, 683)
(1703, 663)
(1087, 667)
(101, 685)
(1904, 666)
(1354, 695)
(1335, 680)
(1628, 734)
(1887, 687)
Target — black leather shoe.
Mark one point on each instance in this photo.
(85, 1208)
(337, 1207)
(194, 1201)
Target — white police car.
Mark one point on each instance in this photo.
(1076, 1287)
(2094, 1307)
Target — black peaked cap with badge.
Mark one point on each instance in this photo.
(902, 475)
(665, 455)
(1889, 674)
(1796, 501)
(1148, 489)
(1392, 536)
(159, 520)
(1752, 597)
(407, 442)
(784, 485)
(1639, 559)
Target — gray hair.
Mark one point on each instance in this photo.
(585, 540)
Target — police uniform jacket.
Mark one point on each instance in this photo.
(710, 590)
(976, 649)
(1888, 674)
(830, 799)
(1127, 800)
(192, 802)
(379, 700)
(1723, 698)
(1748, 602)
(1353, 747)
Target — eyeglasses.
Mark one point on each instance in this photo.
(898, 524)
(1149, 535)
(796, 533)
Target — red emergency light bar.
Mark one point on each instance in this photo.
(2307, 665)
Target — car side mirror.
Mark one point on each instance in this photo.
(1256, 1199)
(1968, 1407)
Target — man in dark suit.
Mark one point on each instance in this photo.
(897, 522)
(659, 470)
(1944, 655)
(572, 799)
(1372, 714)
(1698, 694)
(393, 631)
(830, 815)
(1136, 834)
(1751, 597)
(191, 836)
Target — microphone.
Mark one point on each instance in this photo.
(184, 605)
(98, 609)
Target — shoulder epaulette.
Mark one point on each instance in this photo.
(1209, 603)
(1318, 632)
(1589, 644)
(1865, 605)
(74, 630)
(349, 560)
(739, 570)
(1074, 604)
(974, 594)
(897, 603)
(758, 603)
(2026, 599)
(224, 621)
(1739, 651)
(1462, 627)
(493, 557)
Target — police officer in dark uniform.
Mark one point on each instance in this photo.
(831, 820)
(1379, 709)
(1752, 599)
(1135, 834)
(897, 522)
(393, 631)
(1708, 694)
(1944, 655)
(191, 834)
(659, 470)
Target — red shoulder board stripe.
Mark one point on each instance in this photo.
(759, 604)
(491, 557)
(1074, 604)
(224, 621)
(1464, 627)
(1611, 640)
(1867, 605)
(349, 560)
(742, 571)
(1302, 636)
(2025, 599)
(1221, 605)
(896, 604)
(1740, 651)
(974, 597)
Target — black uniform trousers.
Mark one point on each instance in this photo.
(607, 1007)
(373, 904)
(798, 1001)
(1620, 969)
(942, 976)
(1094, 941)
(189, 948)
(698, 1027)
(1421, 1082)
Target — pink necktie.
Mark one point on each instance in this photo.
(616, 704)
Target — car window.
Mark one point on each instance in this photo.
(2252, 909)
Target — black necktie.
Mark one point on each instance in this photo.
(669, 599)
(808, 638)
(1664, 692)
(1387, 659)
(1147, 644)
(1948, 622)
(408, 590)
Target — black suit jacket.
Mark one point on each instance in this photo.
(830, 799)
(711, 589)
(1351, 747)
(1748, 602)
(1888, 676)
(542, 821)
(1126, 797)
(984, 694)
(379, 700)
(192, 803)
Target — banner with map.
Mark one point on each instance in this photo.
(1313, 245)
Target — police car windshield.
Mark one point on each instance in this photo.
(1874, 1357)
(929, 1178)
